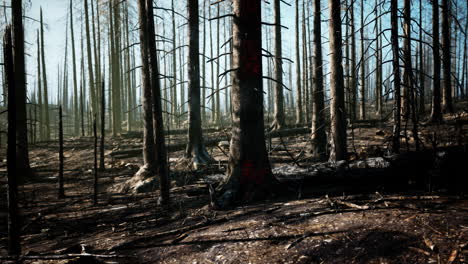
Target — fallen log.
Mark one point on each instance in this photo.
(209, 142)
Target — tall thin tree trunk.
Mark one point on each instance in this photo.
(75, 82)
(396, 78)
(61, 192)
(195, 147)
(92, 90)
(447, 106)
(103, 114)
(39, 90)
(362, 67)
(175, 111)
(422, 107)
(337, 107)
(44, 79)
(436, 115)
(353, 84)
(305, 64)
(299, 116)
(278, 122)
(14, 245)
(158, 126)
(319, 138)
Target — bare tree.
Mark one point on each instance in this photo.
(436, 114)
(14, 245)
(249, 173)
(447, 106)
(44, 79)
(195, 146)
(396, 77)
(319, 138)
(278, 122)
(299, 112)
(337, 107)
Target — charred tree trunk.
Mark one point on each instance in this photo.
(436, 115)
(447, 106)
(103, 120)
(95, 185)
(299, 112)
(61, 192)
(337, 107)
(362, 67)
(159, 141)
(76, 115)
(396, 78)
(249, 173)
(195, 147)
(421, 101)
(92, 89)
(14, 245)
(278, 122)
(146, 99)
(22, 155)
(319, 138)
(353, 82)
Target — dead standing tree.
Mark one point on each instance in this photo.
(396, 77)
(337, 107)
(278, 122)
(318, 114)
(22, 155)
(249, 173)
(447, 106)
(436, 114)
(14, 246)
(195, 147)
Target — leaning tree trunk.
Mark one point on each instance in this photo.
(14, 245)
(278, 122)
(436, 115)
(22, 156)
(396, 78)
(195, 146)
(249, 173)
(447, 106)
(158, 126)
(337, 107)
(319, 138)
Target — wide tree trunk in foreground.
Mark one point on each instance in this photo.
(319, 138)
(337, 106)
(436, 114)
(195, 147)
(22, 156)
(14, 246)
(249, 173)
(396, 78)
(447, 106)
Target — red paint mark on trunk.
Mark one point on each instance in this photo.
(251, 174)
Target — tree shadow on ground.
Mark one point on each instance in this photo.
(368, 246)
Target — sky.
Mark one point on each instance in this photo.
(56, 11)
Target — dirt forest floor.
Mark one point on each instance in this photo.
(327, 222)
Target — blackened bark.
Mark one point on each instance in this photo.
(249, 173)
(299, 112)
(95, 185)
(195, 147)
(337, 107)
(278, 122)
(61, 192)
(159, 141)
(22, 156)
(14, 246)
(103, 131)
(319, 138)
(436, 115)
(147, 100)
(396, 78)
(447, 106)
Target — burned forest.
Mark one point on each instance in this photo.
(233, 131)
